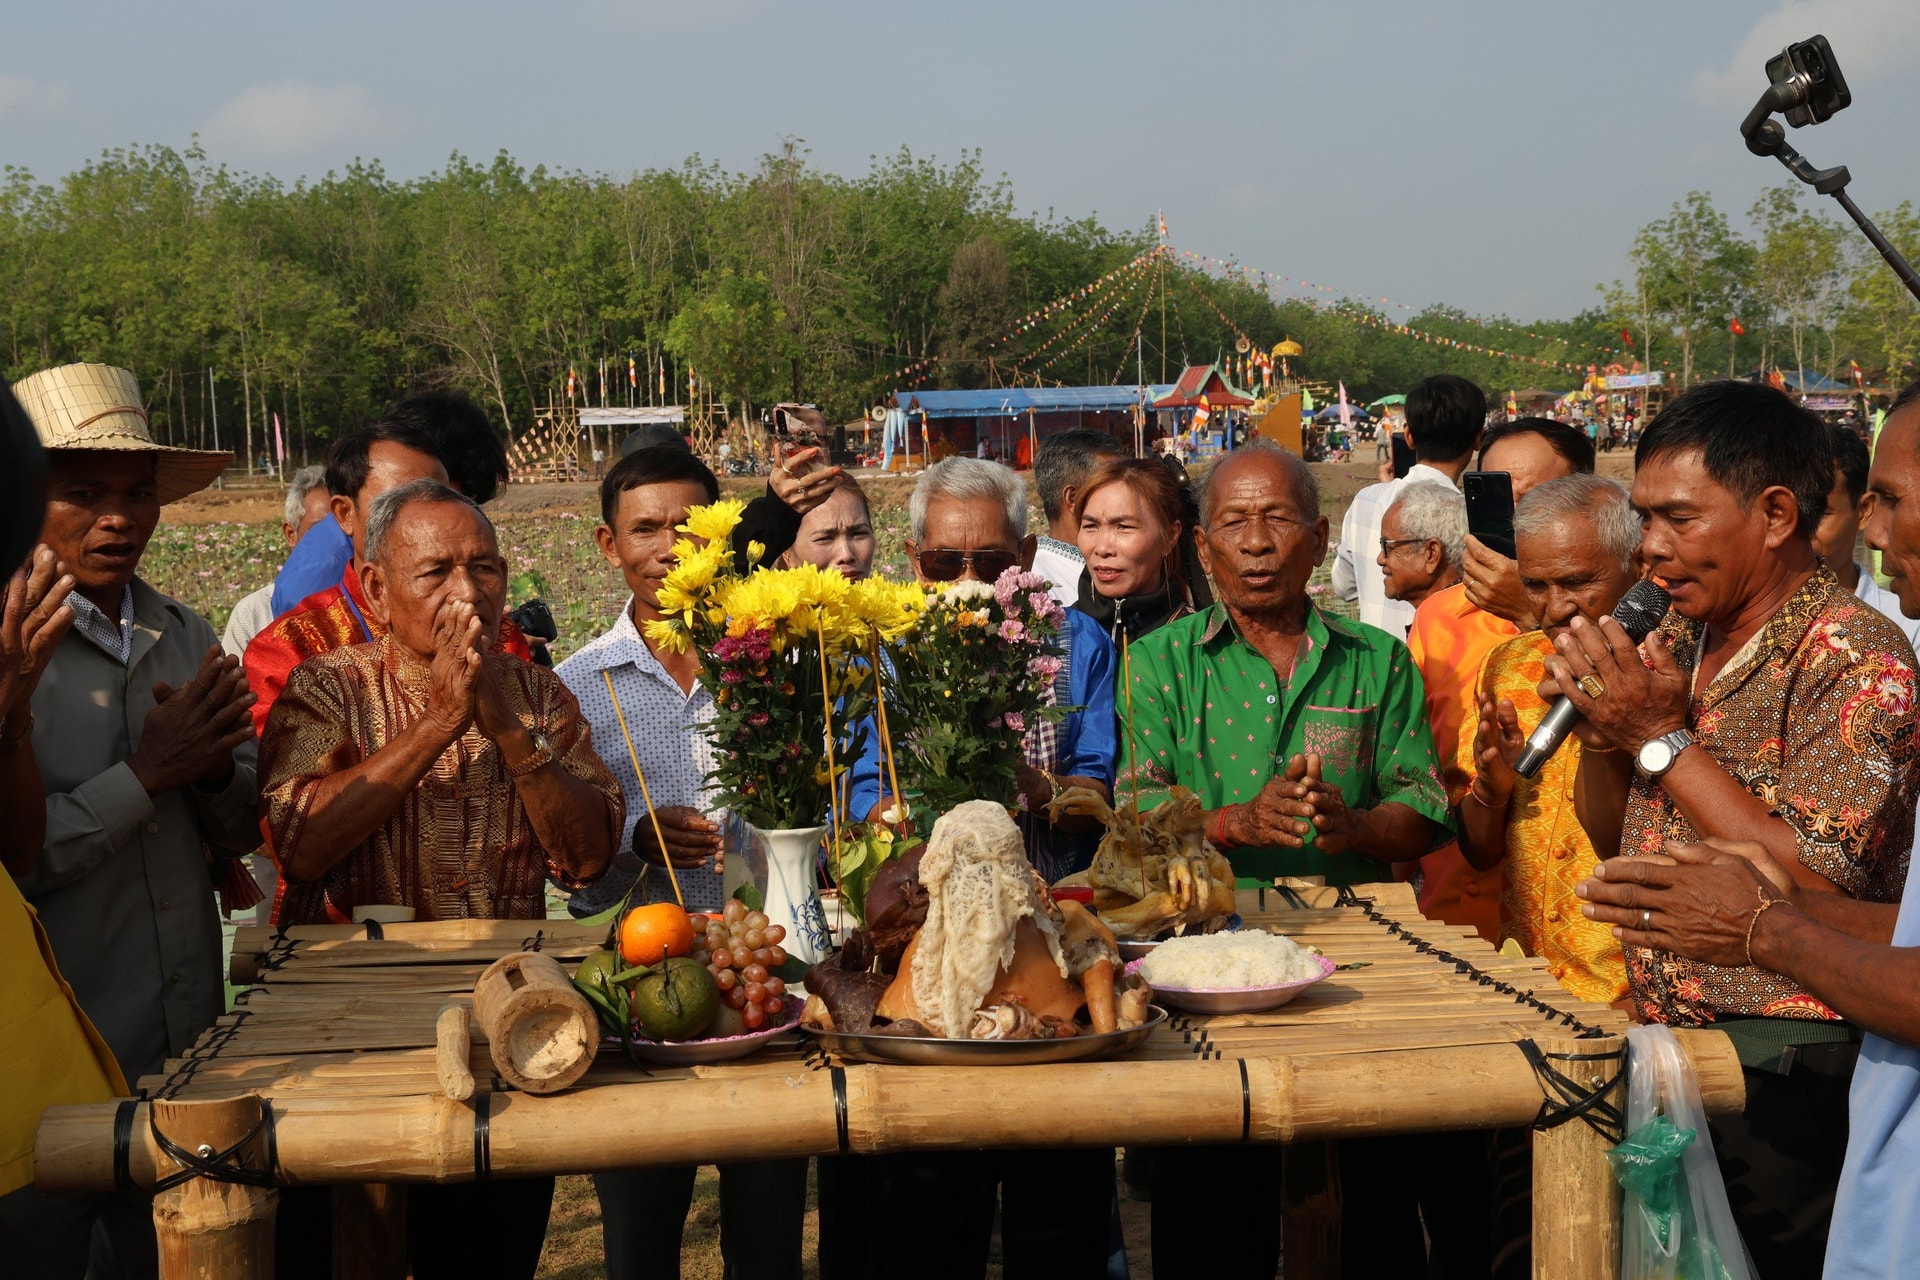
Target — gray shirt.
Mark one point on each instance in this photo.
(123, 885)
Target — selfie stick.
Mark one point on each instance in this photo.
(1767, 137)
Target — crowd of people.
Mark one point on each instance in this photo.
(1724, 841)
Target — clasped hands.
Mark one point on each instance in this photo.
(1293, 805)
(462, 689)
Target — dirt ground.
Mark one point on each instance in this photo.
(254, 503)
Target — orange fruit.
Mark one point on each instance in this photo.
(651, 933)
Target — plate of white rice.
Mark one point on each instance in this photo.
(1241, 972)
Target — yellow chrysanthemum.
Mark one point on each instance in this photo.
(716, 521)
(696, 569)
(667, 635)
(673, 600)
(891, 608)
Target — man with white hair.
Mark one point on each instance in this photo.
(1579, 545)
(1423, 537)
(308, 503)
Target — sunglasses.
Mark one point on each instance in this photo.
(947, 566)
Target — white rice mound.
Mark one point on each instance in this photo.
(1221, 961)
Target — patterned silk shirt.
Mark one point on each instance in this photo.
(1815, 717)
(460, 845)
(1211, 714)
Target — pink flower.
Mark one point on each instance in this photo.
(1046, 666)
(1016, 722)
(1013, 631)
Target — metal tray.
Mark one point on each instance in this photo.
(1140, 950)
(696, 1053)
(1236, 999)
(937, 1051)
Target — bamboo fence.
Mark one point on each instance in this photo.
(339, 1036)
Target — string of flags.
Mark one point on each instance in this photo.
(1094, 324)
(1082, 326)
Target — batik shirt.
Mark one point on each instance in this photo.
(1210, 714)
(460, 844)
(1815, 717)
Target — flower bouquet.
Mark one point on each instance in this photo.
(964, 685)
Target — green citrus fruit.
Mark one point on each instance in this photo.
(677, 1000)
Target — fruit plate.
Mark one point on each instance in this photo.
(1140, 950)
(937, 1051)
(1236, 999)
(697, 1053)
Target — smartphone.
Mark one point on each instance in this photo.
(1403, 456)
(1489, 497)
(1820, 86)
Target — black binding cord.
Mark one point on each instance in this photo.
(482, 1135)
(1246, 1102)
(533, 943)
(839, 1077)
(1577, 1101)
(374, 932)
(123, 1144)
(217, 1166)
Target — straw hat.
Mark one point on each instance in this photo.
(96, 406)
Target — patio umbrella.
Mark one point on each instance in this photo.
(1387, 400)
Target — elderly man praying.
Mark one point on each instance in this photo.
(424, 769)
(1305, 737)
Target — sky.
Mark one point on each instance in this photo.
(1497, 156)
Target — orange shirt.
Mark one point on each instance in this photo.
(1449, 640)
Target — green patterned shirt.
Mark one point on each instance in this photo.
(1209, 714)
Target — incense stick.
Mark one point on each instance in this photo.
(645, 796)
(880, 721)
(826, 700)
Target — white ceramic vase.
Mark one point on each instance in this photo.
(782, 865)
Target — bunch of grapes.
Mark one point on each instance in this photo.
(741, 949)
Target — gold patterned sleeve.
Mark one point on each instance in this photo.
(566, 728)
(309, 736)
(1847, 786)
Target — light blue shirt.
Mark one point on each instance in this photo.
(1880, 1182)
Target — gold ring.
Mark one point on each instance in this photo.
(1593, 686)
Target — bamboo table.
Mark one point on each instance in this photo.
(332, 1044)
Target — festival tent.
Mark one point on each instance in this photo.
(1013, 420)
(1387, 400)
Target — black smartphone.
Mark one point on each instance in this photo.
(1817, 80)
(1489, 497)
(1403, 456)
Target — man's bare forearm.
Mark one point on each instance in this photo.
(1393, 833)
(1873, 986)
(351, 805)
(1600, 798)
(569, 816)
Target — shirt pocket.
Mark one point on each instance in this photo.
(1343, 737)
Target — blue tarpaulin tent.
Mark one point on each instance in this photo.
(1007, 402)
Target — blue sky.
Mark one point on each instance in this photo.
(1495, 155)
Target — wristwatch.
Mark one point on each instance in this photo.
(541, 756)
(1657, 755)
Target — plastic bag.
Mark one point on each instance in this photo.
(1675, 1222)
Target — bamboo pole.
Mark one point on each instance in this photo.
(453, 1035)
(721, 1115)
(209, 1229)
(1576, 1205)
(541, 1031)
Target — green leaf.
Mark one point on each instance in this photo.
(751, 896)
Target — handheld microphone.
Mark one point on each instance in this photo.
(1638, 613)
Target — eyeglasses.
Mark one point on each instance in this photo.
(1388, 544)
(940, 565)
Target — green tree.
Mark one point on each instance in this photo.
(1797, 268)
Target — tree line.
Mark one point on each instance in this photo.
(238, 298)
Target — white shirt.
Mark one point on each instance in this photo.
(1357, 574)
(667, 726)
(1060, 564)
(1886, 603)
(249, 618)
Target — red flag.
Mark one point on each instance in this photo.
(1626, 337)
(1737, 329)
(1777, 380)
(1859, 380)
